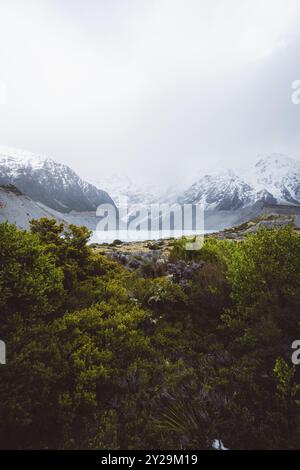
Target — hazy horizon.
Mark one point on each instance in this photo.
(155, 89)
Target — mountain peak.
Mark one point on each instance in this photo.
(275, 178)
(49, 182)
(21, 157)
(276, 161)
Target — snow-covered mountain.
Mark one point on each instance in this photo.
(228, 196)
(46, 181)
(224, 191)
(274, 179)
(280, 176)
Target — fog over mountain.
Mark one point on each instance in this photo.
(274, 179)
(155, 90)
(33, 186)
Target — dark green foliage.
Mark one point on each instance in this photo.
(101, 357)
(30, 282)
(116, 242)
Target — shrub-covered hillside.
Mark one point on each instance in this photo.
(102, 357)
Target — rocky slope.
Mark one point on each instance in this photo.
(17, 208)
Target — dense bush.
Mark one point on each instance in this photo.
(99, 356)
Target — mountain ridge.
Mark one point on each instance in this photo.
(46, 181)
(274, 179)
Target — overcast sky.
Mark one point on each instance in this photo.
(163, 88)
